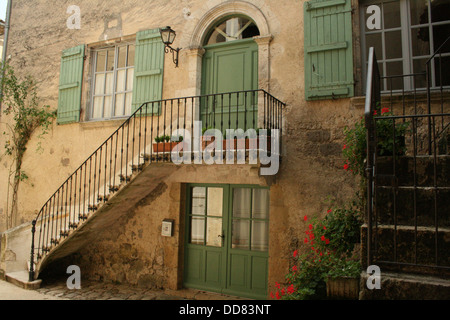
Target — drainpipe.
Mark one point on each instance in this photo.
(5, 43)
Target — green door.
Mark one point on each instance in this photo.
(227, 230)
(230, 67)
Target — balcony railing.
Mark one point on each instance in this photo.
(133, 145)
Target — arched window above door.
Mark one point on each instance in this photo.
(231, 29)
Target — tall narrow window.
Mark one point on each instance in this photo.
(113, 82)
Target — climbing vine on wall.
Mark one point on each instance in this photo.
(23, 116)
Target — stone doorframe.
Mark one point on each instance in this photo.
(195, 51)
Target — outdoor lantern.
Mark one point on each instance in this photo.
(168, 36)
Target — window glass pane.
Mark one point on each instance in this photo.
(110, 60)
(393, 41)
(260, 235)
(120, 82)
(391, 13)
(128, 99)
(130, 55)
(109, 85)
(420, 41)
(107, 109)
(394, 69)
(98, 107)
(214, 232)
(233, 29)
(240, 234)
(101, 61)
(197, 235)
(440, 10)
(241, 202)
(215, 202)
(99, 84)
(374, 40)
(419, 11)
(418, 67)
(198, 200)
(440, 34)
(130, 78)
(260, 204)
(122, 58)
(120, 105)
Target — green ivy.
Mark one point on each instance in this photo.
(20, 103)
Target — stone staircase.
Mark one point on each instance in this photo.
(144, 182)
(411, 229)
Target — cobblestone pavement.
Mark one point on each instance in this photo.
(91, 290)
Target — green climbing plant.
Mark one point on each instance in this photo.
(23, 116)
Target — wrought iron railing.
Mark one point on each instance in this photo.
(408, 191)
(133, 145)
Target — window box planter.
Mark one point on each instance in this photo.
(164, 146)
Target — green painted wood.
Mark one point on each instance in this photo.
(148, 72)
(225, 269)
(70, 84)
(328, 49)
(205, 265)
(230, 67)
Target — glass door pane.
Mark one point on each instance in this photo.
(241, 233)
(214, 232)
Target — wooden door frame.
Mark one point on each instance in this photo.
(227, 227)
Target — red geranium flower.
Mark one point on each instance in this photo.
(384, 110)
(305, 218)
(290, 289)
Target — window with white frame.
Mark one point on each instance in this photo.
(405, 34)
(112, 85)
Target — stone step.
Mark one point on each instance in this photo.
(21, 279)
(404, 171)
(398, 286)
(408, 245)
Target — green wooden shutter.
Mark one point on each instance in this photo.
(328, 49)
(70, 84)
(148, 72)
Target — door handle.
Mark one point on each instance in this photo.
(221, 236)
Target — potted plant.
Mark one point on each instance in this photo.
(354, 149)
(343, 278)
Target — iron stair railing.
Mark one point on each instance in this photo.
(129, 148)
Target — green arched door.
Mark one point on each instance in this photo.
(230, 67)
